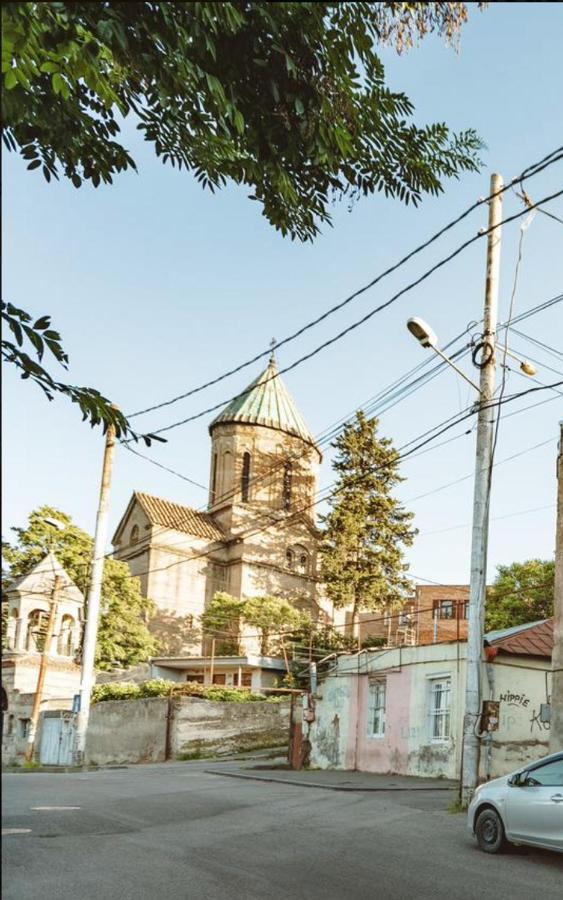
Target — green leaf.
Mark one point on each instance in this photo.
(57, 83)
(10, 80)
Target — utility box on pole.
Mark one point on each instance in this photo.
(556, 732)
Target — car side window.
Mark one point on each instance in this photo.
(550, 775)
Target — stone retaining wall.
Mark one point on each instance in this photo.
(135, 731)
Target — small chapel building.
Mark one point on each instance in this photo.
(258, 534)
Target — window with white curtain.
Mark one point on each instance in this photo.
(376, 707)
(440, 708)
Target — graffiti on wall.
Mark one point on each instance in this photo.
(515, 699)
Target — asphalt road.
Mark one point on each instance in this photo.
(176, 833)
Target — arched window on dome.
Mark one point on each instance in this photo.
(245, 478)
(286, 490)
(214, 479)
(227, 475)
(134, 536)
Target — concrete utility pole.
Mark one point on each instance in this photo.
(36, 708)
(94, 596)
(481, 493)
(556, 735)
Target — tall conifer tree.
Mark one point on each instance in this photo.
(366, 529)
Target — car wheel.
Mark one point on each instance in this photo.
(489, 831)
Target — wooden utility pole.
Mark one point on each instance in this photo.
(481, 495)
(36, 709)
(212, 661)
(556, 734)
(94, 596)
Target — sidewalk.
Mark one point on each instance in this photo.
(329, 779)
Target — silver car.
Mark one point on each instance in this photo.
(523, 808)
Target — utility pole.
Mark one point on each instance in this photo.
(36, 708)
(556, 735)
(94, 596)
(481, 494)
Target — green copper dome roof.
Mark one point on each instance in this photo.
(267, 402)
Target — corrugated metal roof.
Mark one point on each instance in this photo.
(506, 632)
(178, 517)
(534, 639)
(266, 401)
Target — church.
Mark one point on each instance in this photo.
(258, 534)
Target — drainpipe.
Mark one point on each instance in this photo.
(313, 677)
(168, 737)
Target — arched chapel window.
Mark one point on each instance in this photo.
(289, 559)
(11, 630)
(65, 644)
(134, 534)
(286, 492)
(36, 630)
(245, 478)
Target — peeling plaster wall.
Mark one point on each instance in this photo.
(329, 732)
(340, 738)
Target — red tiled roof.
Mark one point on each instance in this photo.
(178, 517)
(537, 640)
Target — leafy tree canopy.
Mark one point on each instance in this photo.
(522, 592)
(270, 616)
(289, 99)
(123, 637)
(366, 528)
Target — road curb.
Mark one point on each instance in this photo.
(324, 787)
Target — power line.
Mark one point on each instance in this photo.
(540, 344)
(470, 475)
(482, 233)
(371, 407)
(494, 519)
(532, 170)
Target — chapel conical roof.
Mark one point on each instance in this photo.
(266, 401)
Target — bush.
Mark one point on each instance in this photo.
(158, 687)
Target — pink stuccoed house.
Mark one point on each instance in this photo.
(400, 710)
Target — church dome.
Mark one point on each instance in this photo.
(266, 401)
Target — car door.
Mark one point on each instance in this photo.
(534, 806)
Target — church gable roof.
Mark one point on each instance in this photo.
(179, 518)
(41, 578)
(266, 401)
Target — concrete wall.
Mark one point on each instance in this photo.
(131, 731)
(340, 735)
(127, 731)
(202, 726)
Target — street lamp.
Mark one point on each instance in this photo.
(427, 338)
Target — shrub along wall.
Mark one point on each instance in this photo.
(140, 730)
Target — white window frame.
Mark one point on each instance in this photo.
(377, 707)
(440, 712)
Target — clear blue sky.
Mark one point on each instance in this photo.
(156, 286)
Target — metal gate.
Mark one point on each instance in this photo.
(57, 738)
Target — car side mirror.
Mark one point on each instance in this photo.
(515, 780)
